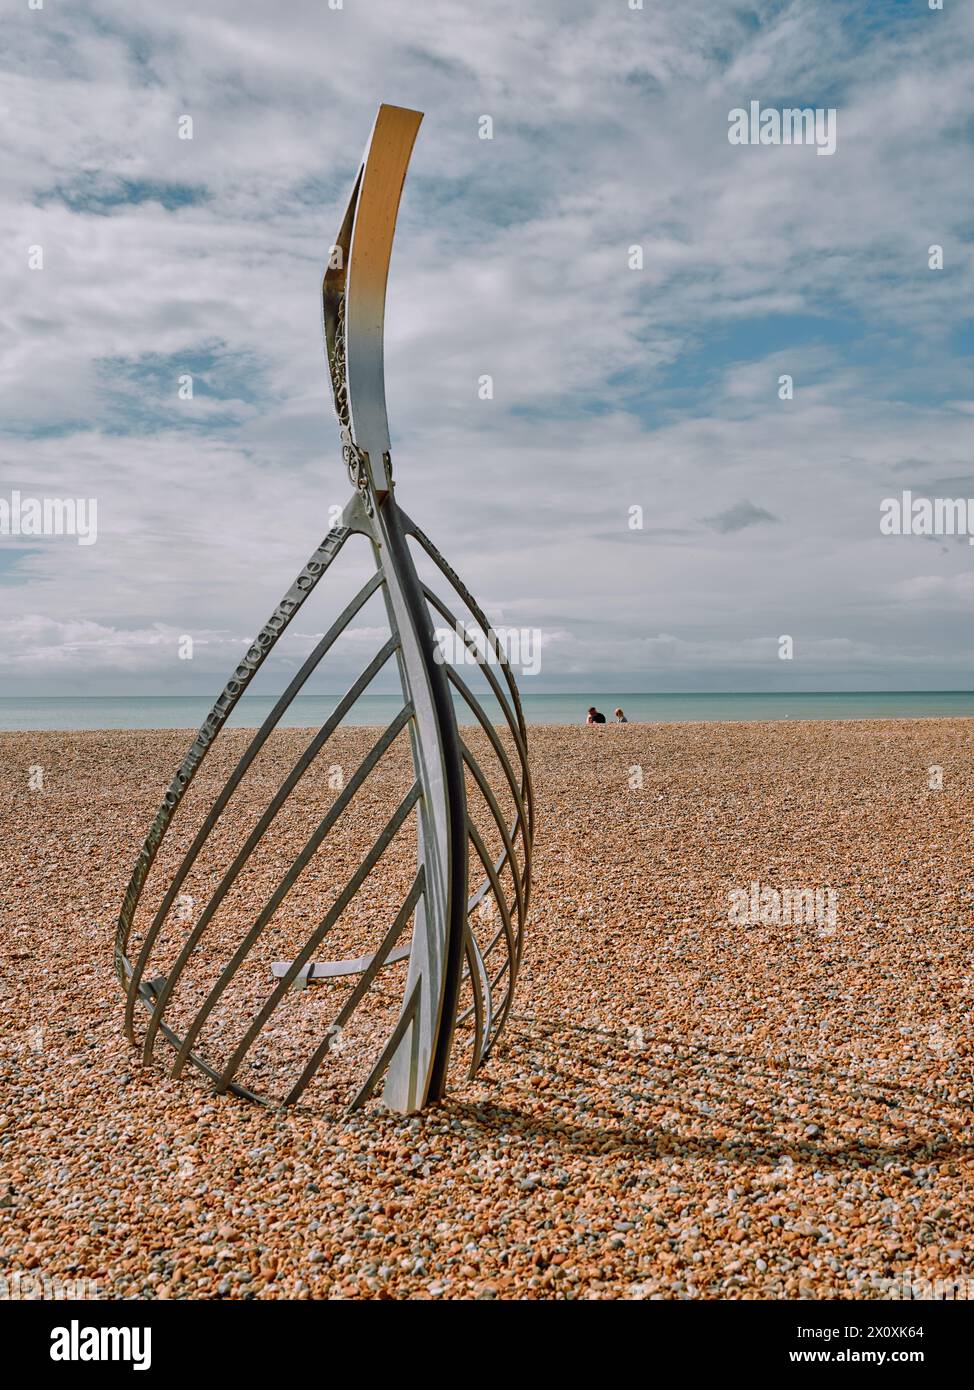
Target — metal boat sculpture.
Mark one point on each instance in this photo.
(457, 970)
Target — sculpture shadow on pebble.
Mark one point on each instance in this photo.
(459, 975)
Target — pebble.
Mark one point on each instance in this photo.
(680, 1106)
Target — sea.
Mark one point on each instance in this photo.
(311, 711)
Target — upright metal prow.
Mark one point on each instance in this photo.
(354, 297)
(354, 288)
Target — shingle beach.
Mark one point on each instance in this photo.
(684, 1104)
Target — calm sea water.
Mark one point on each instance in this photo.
(188, 712)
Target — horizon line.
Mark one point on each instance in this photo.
(551, 694)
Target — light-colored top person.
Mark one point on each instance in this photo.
(620, 717)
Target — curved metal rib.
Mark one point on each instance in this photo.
(407, 1021)
(382, 957)
(382, 843)
(450, 574)
(286, 884)
(259, 831)
(482, 1006)
(494, 683)
(524, 819)
(234, 780)
(512, 961)
(508, 856)
(211, 726)
(488, 729)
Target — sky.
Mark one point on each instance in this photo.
(614, 387)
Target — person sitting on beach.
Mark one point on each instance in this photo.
(620, 717)
(594, 716)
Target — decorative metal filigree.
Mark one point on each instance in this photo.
(336, 364)
(461, 965)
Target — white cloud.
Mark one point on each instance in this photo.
(612, 387)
